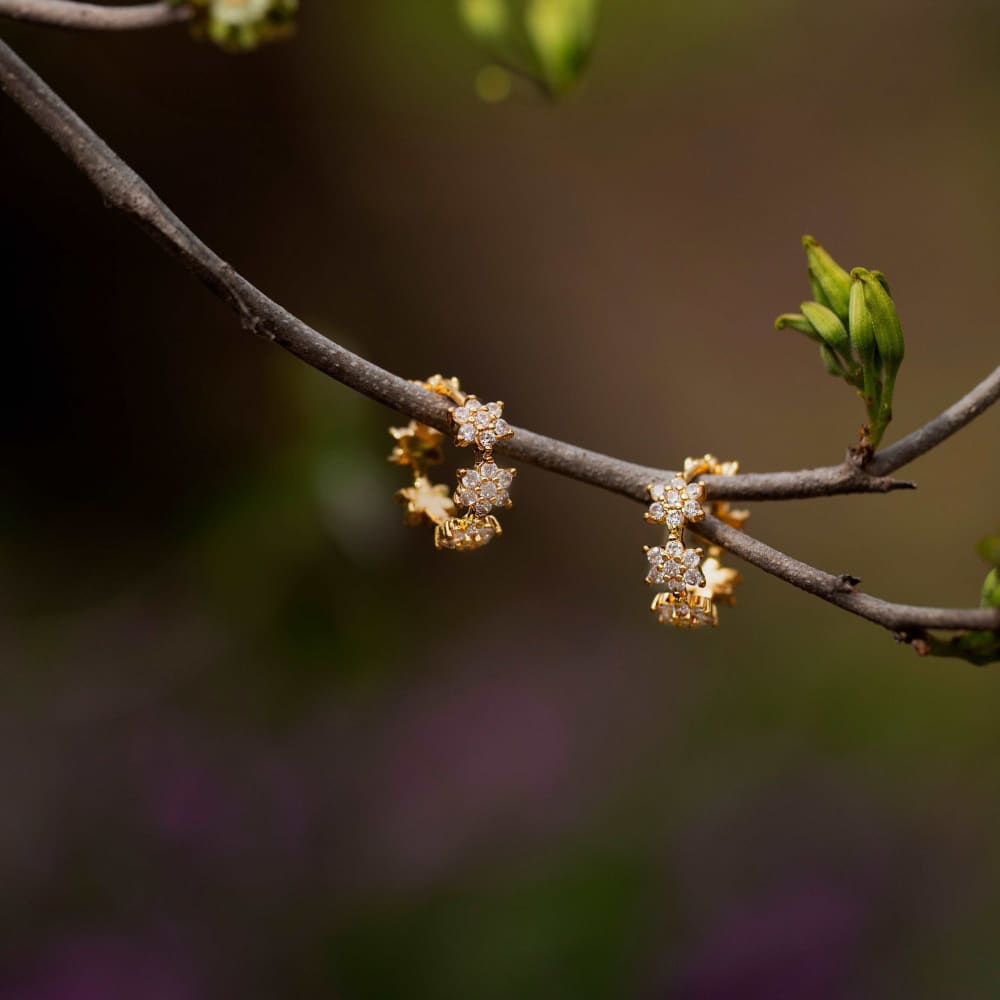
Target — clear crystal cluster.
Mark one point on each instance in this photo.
(675, 503)
(675, 566)
(463, 534)
(484, 487)
(480, 424)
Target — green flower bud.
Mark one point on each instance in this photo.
(885, 319)
(991, 590)
(831, 284)
(825, 322)
(795, 321)
(561, 33)
(831, 362)
(862, 333)
(860, 326)
(486, 20)
(989, 549)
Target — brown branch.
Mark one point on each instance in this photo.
(94, 17)
(121, 187)
(840, 590)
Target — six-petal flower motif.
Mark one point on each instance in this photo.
(484, 488)
(674, 565)
(480, 424)
(675, 503)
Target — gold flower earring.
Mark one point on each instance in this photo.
(695, 586)
(480, 490)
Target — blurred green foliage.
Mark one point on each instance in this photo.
(241, 25)
(855, 323)
(548, 42)
(980, 648)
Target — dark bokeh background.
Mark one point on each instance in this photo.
(256, 740)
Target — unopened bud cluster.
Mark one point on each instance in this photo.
(853, 319)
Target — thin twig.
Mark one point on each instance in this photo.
(840, 590)
(92, 16)
(124, 189)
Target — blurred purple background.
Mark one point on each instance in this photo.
(251, 742)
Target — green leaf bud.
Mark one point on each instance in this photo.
(989, 549)
(826, 275)
(826, 323)
(486, 20)
(861, 328)
(561, 33)
(991, 590)
(885, 320)
(796, 321)
(831, 362)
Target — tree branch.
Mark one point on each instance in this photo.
(92, 16)
(840, 590)
(124, 189)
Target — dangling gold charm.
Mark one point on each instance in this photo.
(480, 490)
(694, 586)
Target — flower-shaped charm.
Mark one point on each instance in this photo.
(484, 488)
(481, 424)
(685, 610)
(675, 566)
(417, 446)
(464, 534)
(425, 501)
(721, 580)
(675, 502)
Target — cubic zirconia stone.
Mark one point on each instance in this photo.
(674, 548)
(502, 428)
(675, 585)
(693, 578)
(487, 439)
(467, 432)
(488, 470)
(678, 483)
(503, 498)
(694, 491)
(692, 509)
(655, 575)
(467, 498)
(675, 518)
(487, 490)
(656, 511)
(483, 419)
(504, 478)
(481, 509)
(461, 415)
(471, 479)
(691, 558)
(655, 555)
(657, 491)
(672, 568)
(495, 408)
(673, 498)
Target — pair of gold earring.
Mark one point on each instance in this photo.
(695, 586)
(480, 490)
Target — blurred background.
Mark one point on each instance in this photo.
(252, 742)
